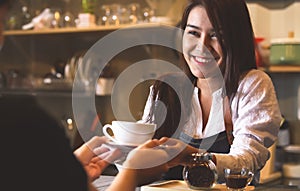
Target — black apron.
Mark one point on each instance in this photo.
(217, 144)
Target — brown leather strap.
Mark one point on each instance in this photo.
(228, 120)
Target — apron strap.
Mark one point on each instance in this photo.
(228, 121)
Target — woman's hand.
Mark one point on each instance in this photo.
(95, 157)
(147, 162)
(178, 151)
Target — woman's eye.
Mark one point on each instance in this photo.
(213, 35)
(194, 33)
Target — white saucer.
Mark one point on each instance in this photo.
(120, 145)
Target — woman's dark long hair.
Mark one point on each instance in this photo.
(231, 22)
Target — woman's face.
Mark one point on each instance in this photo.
(201, 48)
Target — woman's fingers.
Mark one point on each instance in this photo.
(163, 140)
(149, 144)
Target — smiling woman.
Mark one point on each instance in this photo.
(231, 109)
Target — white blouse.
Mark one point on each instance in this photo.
(255, 116)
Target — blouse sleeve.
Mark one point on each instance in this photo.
(256, 120)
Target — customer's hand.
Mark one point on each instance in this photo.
(95, 157)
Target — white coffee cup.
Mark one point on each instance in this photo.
(129, 133)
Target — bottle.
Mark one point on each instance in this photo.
(283, 134)
(200, 172)
(26, 16)
(88, 6)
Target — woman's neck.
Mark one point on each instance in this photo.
(209, 85)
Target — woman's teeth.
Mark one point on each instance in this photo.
(203, 60)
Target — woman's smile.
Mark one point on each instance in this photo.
(204, 60)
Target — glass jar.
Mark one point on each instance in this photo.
(88, 6)
(200, 172)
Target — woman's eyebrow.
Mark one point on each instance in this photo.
(199, 28)
(193, 26)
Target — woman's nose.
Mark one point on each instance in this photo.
(203, 45)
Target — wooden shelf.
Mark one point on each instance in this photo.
(83, 29)
(282, 69)
(48, 93)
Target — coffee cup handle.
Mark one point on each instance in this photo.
(250, 178)
(104, 130)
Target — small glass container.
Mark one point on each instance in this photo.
(237, 179)
(200, 172)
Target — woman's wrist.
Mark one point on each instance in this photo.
(211, 157)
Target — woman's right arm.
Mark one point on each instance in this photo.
(143, 165)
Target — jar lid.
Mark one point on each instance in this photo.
(201, 156)
(292, 149)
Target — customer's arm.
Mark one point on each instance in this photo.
(95, 157)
